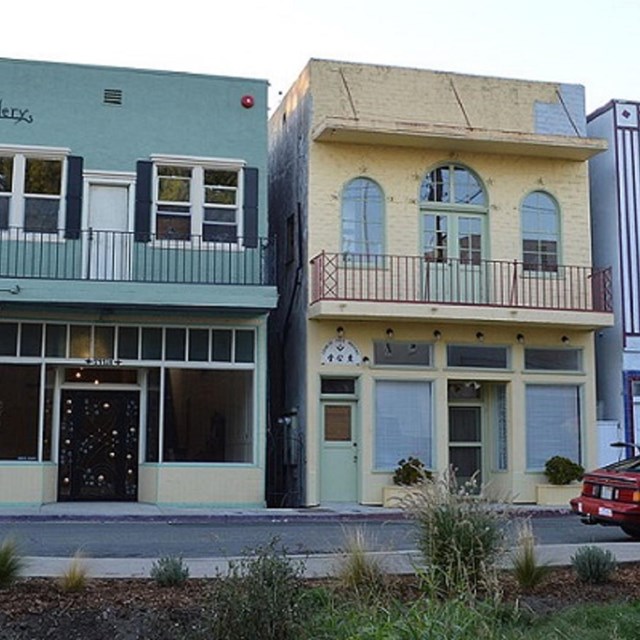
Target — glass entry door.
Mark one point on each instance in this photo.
(465, 444)
(452, 251)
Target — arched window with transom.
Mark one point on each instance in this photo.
(362, 219)
(453, 205)
(540, 232)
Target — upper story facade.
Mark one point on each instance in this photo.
(430, 195)
(131, 187)
(615, 210)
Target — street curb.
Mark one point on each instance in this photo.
(207, 519)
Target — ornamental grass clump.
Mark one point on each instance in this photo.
(594, 565)
(11, 563)
(460, 537)
(528, 572)
(359, 572)
(74, 578)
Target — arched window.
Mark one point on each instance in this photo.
(540, 232)
(453, 203)
(362, 218)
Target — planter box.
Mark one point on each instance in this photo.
(394, 495)
(557, 495)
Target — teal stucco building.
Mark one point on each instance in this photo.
(135, 283)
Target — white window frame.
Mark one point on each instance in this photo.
(17, 196)
(197, 202)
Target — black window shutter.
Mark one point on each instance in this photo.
(142, 223)
(250, 207)
(74, 198)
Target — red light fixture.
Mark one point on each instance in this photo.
(247, 101)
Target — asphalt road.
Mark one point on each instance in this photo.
(215, 539)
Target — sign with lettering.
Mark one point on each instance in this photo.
(340, 351)
(103, 362)
(17, 114)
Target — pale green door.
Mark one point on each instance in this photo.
(339, 454)
(452, 251)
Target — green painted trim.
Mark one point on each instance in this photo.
(137, 295)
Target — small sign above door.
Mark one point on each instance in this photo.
(341, 351)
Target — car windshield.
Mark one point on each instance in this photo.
(630, 464)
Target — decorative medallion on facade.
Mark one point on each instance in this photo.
(341, 351)
(627, 115)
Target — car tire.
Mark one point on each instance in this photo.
(633, 532)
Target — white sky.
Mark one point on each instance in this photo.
(591, 42)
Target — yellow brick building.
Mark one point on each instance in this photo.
(437, 298)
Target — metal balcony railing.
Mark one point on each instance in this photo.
(492, 283)
(116, 256)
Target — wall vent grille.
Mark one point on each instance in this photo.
(112, 96)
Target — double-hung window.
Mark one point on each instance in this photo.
(540, 232)
(31, 191)
(198, 200)
(362, 220)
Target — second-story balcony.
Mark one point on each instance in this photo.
(109, 267)
(415, 287)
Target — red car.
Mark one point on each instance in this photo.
(611, 496)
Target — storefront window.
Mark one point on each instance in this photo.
(153, 416)
(208, 416)
(19, 401)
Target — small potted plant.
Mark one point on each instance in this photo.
(409, 473)
(563, 477)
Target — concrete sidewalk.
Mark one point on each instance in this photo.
(315, 566)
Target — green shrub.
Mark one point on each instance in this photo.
(260, 596)
(410, 471)
(593, 564)
(526, 569)
(11, 563)
(460, 536)
(170, 571)
(560, 470)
